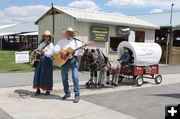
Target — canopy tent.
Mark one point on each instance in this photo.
(23, 36)
(19, 28)
(6, 34)
(144, 53)
(5, 26)
(28, 34)
(19, 34)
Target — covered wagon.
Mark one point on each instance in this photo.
(144, 61)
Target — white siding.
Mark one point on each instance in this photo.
(149, 34)
(84, 35)
(83, 31)
(62, 21)
(44, 24)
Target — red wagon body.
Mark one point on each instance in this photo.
(139, 70)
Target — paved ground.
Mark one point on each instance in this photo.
(25, 79)
(4, 115)
(170, 69)
(20, 102)
(126, 101)
(146, 103)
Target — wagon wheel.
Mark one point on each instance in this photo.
(158, 79)
(120, 78)
(139, 80)
(87, 85)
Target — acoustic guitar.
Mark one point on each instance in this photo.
(35, 58)
(61, 60)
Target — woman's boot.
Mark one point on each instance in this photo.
(47, 93)
(38, 91)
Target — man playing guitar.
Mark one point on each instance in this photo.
(69, 42)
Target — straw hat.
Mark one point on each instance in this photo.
(47, 33)
(69, 29)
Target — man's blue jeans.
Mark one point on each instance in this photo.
(73, 64)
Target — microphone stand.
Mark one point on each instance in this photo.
(79, 40)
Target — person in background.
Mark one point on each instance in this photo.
(125, 57)
(43, 77)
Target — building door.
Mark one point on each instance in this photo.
(114, 42)
(139, 36)
(175, 52)
(161, 37)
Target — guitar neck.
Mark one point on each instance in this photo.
(77, 49)
(80, 47)
(87, 44)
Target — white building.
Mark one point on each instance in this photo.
(106, 29)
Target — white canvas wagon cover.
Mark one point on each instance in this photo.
(144, 53)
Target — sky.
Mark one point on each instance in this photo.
(18, 11)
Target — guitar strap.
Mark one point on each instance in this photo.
(75, 45)
(45, 46)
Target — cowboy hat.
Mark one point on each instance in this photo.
(69, 29)
(47, 33)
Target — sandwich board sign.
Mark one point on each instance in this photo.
(22, 57)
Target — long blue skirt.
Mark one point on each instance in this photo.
(43, 77)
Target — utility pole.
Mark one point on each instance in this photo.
(52, 7)
(169, 35)
(171, 13)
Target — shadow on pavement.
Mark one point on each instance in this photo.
(26, 93)
(175, 95)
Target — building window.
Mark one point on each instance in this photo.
(139, 36)
(114, 42)
(123, 30)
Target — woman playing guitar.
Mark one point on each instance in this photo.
(43, 77)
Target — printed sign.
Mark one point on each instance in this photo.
(99, 33)
(22, 57)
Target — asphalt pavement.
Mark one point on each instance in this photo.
(144, 103)
(26, 79)
(17, 100)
